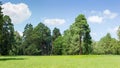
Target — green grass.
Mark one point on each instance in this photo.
(84, 61)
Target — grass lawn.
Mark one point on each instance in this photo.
(84, 61)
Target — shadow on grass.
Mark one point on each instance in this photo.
(7, 59)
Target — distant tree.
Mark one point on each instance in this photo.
(84, 34)
(1, 28)
(16, 47)
(6, 33)
(56, 33)
(80, 39)
(66, 43)
(106, 45)
(27, 31)
(95, 47)
(7, 36)
(58, 46)
(27, 38)
(103, 46)
(118, 33)
(42, 39)
(105, 42)
(115, 49)
(1, 20)
(118, 43)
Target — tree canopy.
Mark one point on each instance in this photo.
(39, 40)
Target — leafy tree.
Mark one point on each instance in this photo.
(27, 38)
(106, 45)
(56, 33)
(16, 47)
(84, 34)
(118, 33)
(7, 36)
(1, 21)
(66, 43)
(117, 47)
(58, 44)
(27, 31)
(1, 27)
(103, 44)
(6, 33)
(80, 39)
(41, 37)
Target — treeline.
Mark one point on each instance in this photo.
(107, 45)
(40, 41)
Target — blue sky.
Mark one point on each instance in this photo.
(103, 15)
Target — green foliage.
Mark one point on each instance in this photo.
(7, 36)
(42, 39)
(66, 42)
(1, 28)
(6, 33)
(56, 33)
(107, 45)
(27, 39)
(79, 37)
(58, 46)
(15, 50)
(38, 40)
(55, 43)
(118, 33)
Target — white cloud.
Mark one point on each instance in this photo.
(54, 21)
(17, 12)
(108, 14)
(100, 17)
(95, 19)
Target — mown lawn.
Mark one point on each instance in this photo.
(84, 61)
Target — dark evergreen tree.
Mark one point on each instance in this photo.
(118, 33)
(6, 33)
(56, 33)
(42, 39)
(58, 46)
(7, 36)
(1, 28)
(16, 47)
(79, 37)
(27, 39)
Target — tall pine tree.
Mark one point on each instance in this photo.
(6, 33)
(42, 39)
(56, 33)
(79, 36)
(27, 39)
(1, 28)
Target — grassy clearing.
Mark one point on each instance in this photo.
(84, 61)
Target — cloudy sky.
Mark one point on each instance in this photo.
(103, 16)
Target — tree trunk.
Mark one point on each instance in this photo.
(80, 43)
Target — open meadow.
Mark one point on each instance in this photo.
(84, 61)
